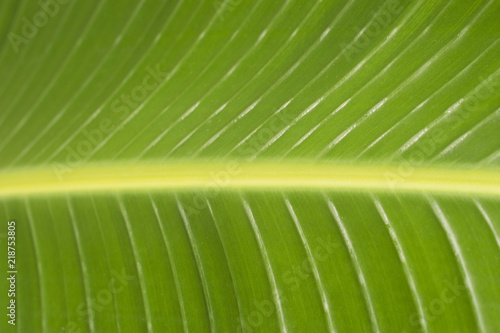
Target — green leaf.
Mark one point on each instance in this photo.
(250, 166)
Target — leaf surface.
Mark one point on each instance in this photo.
(235, 165)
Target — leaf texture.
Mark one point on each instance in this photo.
(251, 166)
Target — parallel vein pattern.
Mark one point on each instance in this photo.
(251, 166)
